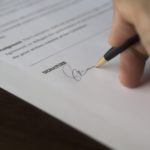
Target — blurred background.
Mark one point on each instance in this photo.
(23, 127)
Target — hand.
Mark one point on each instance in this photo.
(131, 17)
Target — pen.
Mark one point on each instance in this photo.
(114, 51)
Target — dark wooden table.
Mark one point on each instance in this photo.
(24, 127)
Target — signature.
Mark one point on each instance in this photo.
(74, 73)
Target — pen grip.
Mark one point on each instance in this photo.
(114, 51)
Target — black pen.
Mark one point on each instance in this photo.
(114, 51)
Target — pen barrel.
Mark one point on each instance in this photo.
(114, 51)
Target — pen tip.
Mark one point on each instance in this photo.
(101, 62)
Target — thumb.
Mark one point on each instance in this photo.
(121, 29)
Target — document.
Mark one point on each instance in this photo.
(48, 50)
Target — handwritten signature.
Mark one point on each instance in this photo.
(74, 73)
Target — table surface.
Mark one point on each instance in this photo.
(22, 126)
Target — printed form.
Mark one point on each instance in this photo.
(48, 50)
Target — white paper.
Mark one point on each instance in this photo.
(46, 46)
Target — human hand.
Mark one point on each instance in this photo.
(131, 17)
